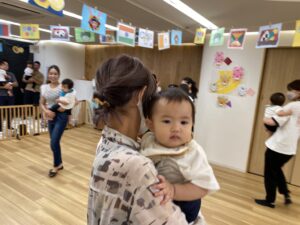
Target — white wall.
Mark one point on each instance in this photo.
(225, 133)
(68, 56)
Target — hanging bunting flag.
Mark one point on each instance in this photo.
(236, 38)
(163, 40)
(83, 35)
(60, 33)
(269, 36)
(176, 37)
(200, 36)
(93, 20)
(29, 31)
(4, 30)
(217, 37)
(296, 41)
(146, 38)
(126, 35)
(53, 6)
(108, 38)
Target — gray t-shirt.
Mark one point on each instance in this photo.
(12, 78)
(50, 94)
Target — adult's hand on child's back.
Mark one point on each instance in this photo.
(164, 189)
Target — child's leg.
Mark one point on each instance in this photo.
(190, 209)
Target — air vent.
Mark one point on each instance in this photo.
(16, 11)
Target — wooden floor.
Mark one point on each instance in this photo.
(29, 197)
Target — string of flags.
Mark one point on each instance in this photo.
(93, 23)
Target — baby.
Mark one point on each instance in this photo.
(4, 79)
(180, 159)
(28, 72)
(277, 100)
(67, 96)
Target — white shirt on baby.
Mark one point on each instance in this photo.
(187, 163)
(285, 139)
(28, 71)
(2, 75)
(70, 98)
(271, 110)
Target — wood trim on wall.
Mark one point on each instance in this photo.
(170, 65)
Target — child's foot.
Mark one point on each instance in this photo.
(264, 202)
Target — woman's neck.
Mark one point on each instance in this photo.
(55, 84)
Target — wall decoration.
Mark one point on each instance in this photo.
(108, 38)
(163, 40)
(228, 61)
(60, 33)
(176, 37)
(53, 6)
(217, 37)
(219, 58)
(126, 34)
(84, 36)
(17, 49)
(145, 38)
(4, 29)
(296, 41)
(29, 31)
(93, 20)
(236, 38)
(250, 92)
(269, 36)
(224, 102)
(242, 90)
(200, 36)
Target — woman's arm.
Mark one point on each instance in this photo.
(284, 113)
(44, 108)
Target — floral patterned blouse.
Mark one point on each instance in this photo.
(119, 189)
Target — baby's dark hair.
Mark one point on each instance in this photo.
(277, 99)
(68, 82)
(173, 94)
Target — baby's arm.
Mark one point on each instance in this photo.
(63, 101)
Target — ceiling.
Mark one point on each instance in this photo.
(159, 16)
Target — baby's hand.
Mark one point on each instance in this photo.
(164, 189)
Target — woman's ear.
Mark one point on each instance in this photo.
(149, 124)
(141, 93)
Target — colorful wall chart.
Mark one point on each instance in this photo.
(146, 38)
(126, 34)
(176, 37)
(236, 38)
(296, 41)
(217, 37)
(93, 20)
(163, 40)
(53, 6)
(269, 36)
(4, 29)
(60, 33)
(108, 38)
(29, 31)
(84, 36)
(200, 36)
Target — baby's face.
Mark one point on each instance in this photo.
(172, 123)
(65, 88)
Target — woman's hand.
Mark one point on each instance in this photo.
(49, 114)
(164, 189)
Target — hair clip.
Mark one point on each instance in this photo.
(102, 103)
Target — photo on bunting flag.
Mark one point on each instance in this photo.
(108, 38)
(126, 34)
(296, 41)
(163, 40)
(176, 37)
(84, 36)
(236, 38)
(53, 6)
(4, 30)
(60, 33)
(146, 38)
(217, 37)
(200, 36)
(93, 20)
(268, 36)
(30, 31)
